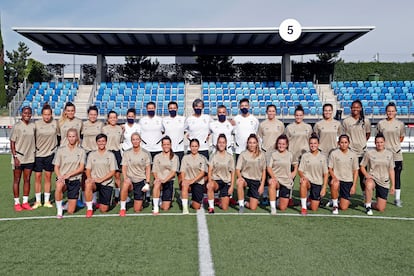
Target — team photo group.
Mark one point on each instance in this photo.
(101, 164)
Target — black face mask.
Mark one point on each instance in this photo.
(221, 118)
(244, 110)
(197, 111)
(173, 113)
(151, 113)
(130, 120)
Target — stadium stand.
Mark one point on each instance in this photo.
(285, 95)
(119, 96)
(375, 95)
(56, 94)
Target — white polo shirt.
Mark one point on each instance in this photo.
(226, 128)
(242, 130)
(174, 128)
(151, 133)
(199, 128)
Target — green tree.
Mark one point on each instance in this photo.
(16, 67)
(327, 58)
(36, 71)
(3, 96)
(216, 68)
(139, 68)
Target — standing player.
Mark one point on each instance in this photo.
(279, 168)
(69, 165)
(46, 130)
(90, 129)
(251, 172)
(164, 169)
(174, 128)
(130, 127)
(358, 128)
(222, 126)
(220, 174)
(193, 169)
(197, 127)
(114, 134)
(270, 129)
(136, 169)
(343, 169)
(245, 124)
(298, 133)
(151, 130)
(393, 131)
(22, 146)
(100, 169)
(67, 121)
(313, 172)
(378, 169)
(327, 129)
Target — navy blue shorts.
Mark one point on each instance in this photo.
(284, 192)
(223, 188)
(197, 191)
(381, 192)
(167, 191)
(315, 192)
(345, 189)
(44, 163)
(138, 194)
(104, 193)
(72, 188)
(253, 186)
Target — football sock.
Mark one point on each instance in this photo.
(156, 202)
(38, 197)
(397, 194)
(335, 202)
(59, 207)
(25, 199)
(89, 205)
(241, 203)
(123, 205)
(16, 200)
(303, 202)
(47, 197)
(211, 203)
(273, 204)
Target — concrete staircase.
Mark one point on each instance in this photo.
(82, 101)
(326, 95)
(192, 92)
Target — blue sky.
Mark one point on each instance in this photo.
(392, 38)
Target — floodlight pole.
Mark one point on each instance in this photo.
(286, 68)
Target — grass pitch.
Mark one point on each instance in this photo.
(255, 243)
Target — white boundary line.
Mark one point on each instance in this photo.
(216, 214)
(205, 261)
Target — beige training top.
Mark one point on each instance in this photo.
(392, 130)
(313, 167)
(69, 160)
(163, 165)
(136, 163)
(328, 132)
(222, 166)
(192, 165)
(76, 123)
(378, 166)
(24, 137)
(251, 167)
(89, 132)
(101, 164)
(343, 164)
(46, 137)
(115, 136)
(357, 134)
(298, 135)
(269, 131)
(281, 164)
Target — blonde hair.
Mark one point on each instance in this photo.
(257, 150)
(76, 132)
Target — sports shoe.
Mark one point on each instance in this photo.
(18, 207)
(97, 205)
(329, 204)
(155, 213)
(47, 204)
(232, 202)
(304, 212)
(122, 213)
(291, 202)
(89, 213)
(80, 204)
(26, 206)
(37, 205)
(65, 206)
(59, 216)
(265, 202)
(368, 210)
(335, 210)
(241, 209)
(185, 212)
(398, 203)
(273, 211)
(211, 210)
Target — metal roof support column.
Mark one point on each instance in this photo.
(100, 68)
(286, 68)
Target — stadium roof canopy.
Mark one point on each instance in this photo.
(191, 41)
